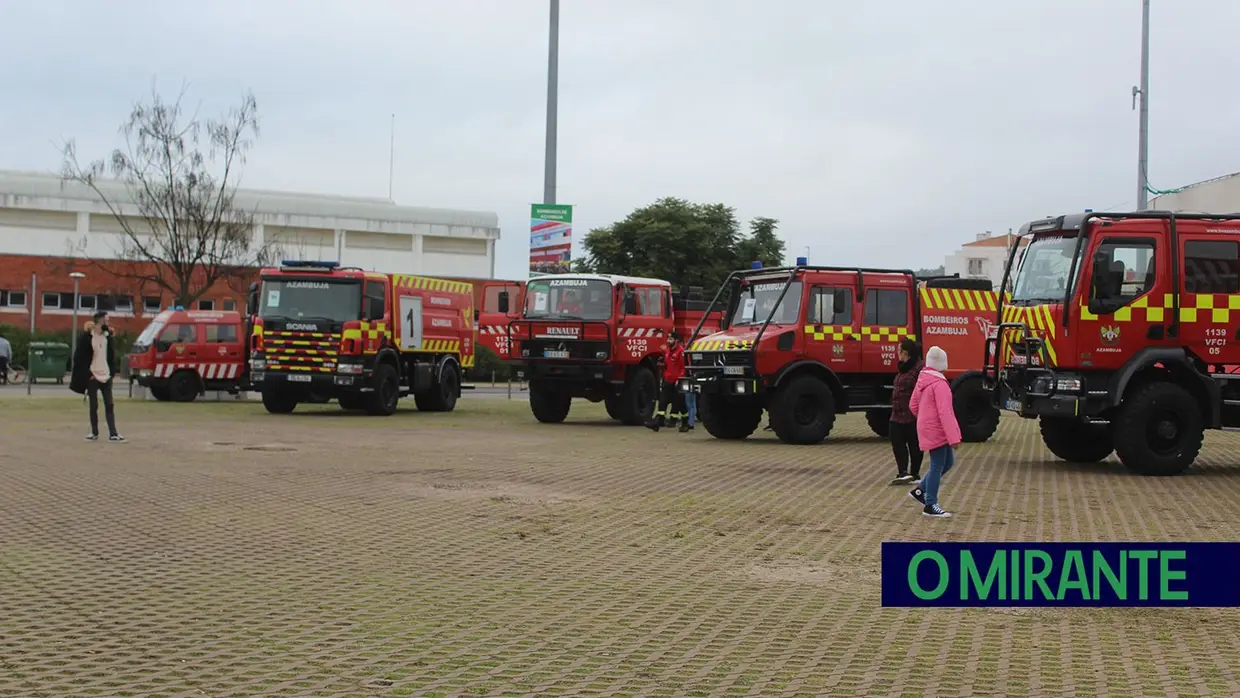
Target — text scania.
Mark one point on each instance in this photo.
(1030, 575)
(308, 284)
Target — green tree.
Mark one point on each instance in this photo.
(682, 242)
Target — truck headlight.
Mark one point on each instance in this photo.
(739, 387)
(349, 369)
(1068, 385)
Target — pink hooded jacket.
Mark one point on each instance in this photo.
(932, 405)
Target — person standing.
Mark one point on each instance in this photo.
(6, 356)
(937, 429)
(690, 410)
(94, 368)
(903, 426)
(671, 402)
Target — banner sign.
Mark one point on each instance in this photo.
(953, 575)
(551, 238)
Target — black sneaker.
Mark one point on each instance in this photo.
(685, 426)
(116, 438)
(92, 437)
(652, 425)
(935, 511)
(918, 495)
(902, 480)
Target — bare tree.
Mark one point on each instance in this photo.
(179, 222)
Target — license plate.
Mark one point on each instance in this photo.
(1013, 405)
(554, 354)
(690, 388)
(297, 378)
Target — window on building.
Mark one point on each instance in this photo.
(886, 307)
(977, 267)
(221, 334)
(113, 303)
(204, 304)
(1211, 266)
(84, 302)
(151, 304)
(51, 301)
(230, 304)
(830, 306)
(13, 299)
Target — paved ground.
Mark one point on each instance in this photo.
(226, 552)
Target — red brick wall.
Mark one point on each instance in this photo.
(53, 277)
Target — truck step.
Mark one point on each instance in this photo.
(1231, 403)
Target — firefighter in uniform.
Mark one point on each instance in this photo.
(669, 397)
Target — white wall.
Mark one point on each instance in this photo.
(1220, 195)
(993, 261)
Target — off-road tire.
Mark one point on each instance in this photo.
(1142, 439)
(350, 401)
(279, 401)
(879, 421)
(728, 417)
(977, 417)
(614, 407)
(442, 395)
(636, 402)
(549, 406)
(159, 392)
(1075, 441)
(386, 394)
(803, 411)
(183, 386)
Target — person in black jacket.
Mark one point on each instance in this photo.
(94, 368)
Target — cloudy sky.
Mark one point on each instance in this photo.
(878, 133)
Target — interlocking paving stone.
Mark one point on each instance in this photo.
(227, 552)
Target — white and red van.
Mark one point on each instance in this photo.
(184, 353)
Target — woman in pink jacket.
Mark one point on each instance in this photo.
(937, 429)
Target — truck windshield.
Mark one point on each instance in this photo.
(575, 299)
(306, 299)
(150, 333)
(1044, 268)
(756, 302)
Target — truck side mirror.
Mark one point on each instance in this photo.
(251, 301)
(503, 302)
(476, 315)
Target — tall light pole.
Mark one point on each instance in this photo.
(77, 276)
(1144, 93)
(553, 79)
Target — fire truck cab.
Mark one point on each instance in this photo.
(807, 343)
(1120, 335)
(183, 353)
(501, 304)
(597, 337)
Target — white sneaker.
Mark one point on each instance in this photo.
(92, 437)
(116, 438)
(935, 511)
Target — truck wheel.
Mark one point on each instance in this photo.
(549, 406)
(1075, 441)
(803, 411)
(382, 400)
(183, 386)
(727, 417)
(978, 419)
(279, 402)
(442, 396)
(1159, 430)
(350, 401)
(879, 421)
(160, 393)
(636, 405)
(614, 407)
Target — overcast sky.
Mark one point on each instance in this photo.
(880, 133)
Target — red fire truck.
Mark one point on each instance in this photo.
(501, 303)
(1120, 335)
(184, 353)
(807, 343)
(363, 338)
(598, 337)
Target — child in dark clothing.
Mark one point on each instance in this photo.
(903, 427)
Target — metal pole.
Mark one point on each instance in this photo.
(1144, 93)
(553, 78)
(34, 293)
(73, 331)
(392, 156)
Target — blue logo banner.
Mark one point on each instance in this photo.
(1061, 574)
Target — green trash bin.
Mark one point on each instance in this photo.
(48, 360)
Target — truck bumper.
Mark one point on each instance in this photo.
(565, 372)
(319, 382)
(719, 385)
(1031, 407)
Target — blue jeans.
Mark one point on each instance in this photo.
(691, 403)
(941, 460)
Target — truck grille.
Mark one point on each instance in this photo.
(716, 359)
(301, 351)
(577, 349)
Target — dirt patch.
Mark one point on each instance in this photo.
(498, 492)
(814, 573)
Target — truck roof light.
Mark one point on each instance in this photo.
(756, 264)
(802, 261)
(308, 264)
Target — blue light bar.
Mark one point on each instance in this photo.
(756, 264)
(308, 264)
(802, 261)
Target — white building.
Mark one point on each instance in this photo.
(1218, 195)
(984, 258)
(42, 215)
